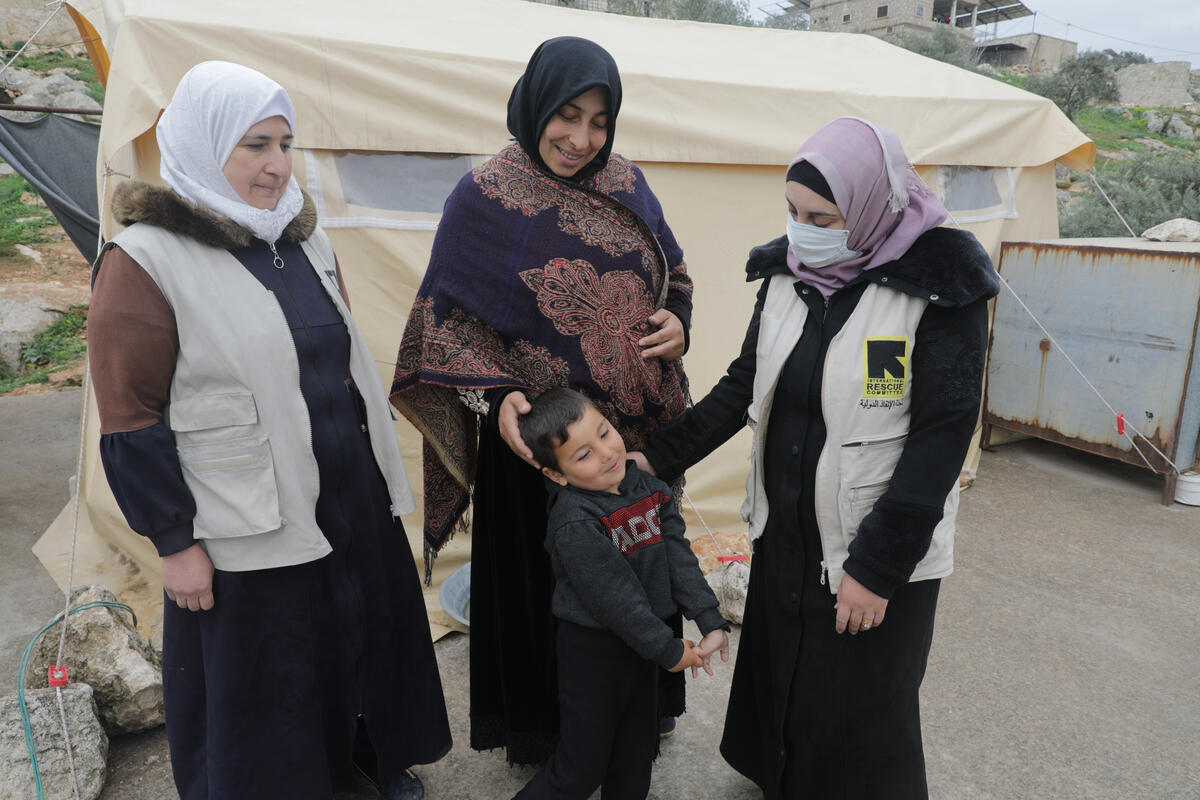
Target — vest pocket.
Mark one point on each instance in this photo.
(233, 482)
(865, 473)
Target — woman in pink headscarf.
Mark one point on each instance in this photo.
(861, 377)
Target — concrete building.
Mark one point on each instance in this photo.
(1040, 53)
(906, 16)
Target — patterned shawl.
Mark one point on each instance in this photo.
(536, 282)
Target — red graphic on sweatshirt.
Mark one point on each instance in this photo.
(635, 526)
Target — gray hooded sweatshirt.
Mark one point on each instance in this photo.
(622, 563)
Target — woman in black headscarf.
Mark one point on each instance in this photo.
(552, 266)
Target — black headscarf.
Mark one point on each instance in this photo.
(806, 174)
(559, 70)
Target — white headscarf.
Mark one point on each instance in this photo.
(214, 105)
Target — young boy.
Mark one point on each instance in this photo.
(621, 565)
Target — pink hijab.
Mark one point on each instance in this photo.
(885, 204)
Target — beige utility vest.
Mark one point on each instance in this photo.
(241, 426)
(866, 401)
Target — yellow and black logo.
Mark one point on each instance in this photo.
(886, 366)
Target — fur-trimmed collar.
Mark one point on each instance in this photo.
(946, 266)
(136, 201)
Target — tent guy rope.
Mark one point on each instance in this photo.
(58, 4)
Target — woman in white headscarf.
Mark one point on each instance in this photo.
(244, 431)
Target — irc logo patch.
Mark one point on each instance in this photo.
(886, 366)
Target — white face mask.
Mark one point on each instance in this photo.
(818, 247)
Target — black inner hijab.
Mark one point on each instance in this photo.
(559, 70)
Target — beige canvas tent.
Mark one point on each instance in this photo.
(395, 100)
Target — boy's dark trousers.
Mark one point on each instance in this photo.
(609, 728)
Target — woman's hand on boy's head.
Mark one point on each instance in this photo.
(714, 641)
(512, 407)
(690, 658)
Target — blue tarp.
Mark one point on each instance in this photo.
(57, 155)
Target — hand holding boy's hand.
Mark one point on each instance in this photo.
(714, 641)
(690, 658)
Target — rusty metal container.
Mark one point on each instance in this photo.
(1126, 311)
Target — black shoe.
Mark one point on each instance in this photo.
(666, 726)
(408, 787)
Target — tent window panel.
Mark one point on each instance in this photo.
(974, 194)
(418, 182)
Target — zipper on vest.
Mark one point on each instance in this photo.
(871, 443)
(824, 572)
(278, 259)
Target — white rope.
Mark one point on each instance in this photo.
(1067, 356)
(1111, 204)
(57, 7)
(87, 382)
(62, 715)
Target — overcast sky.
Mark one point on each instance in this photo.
(1164, 30)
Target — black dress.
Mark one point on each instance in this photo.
(271, 692)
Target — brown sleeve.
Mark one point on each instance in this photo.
(132, 344)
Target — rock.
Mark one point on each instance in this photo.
(89, 745)
(1179, 128)
(18, 80)
(1062, 175)
(986, 69)
(708, 552)
(20, 321)
(30, 253)
(58, 91)
(730, 582)
(104, 650)
(1155, 122)
(1176, 230)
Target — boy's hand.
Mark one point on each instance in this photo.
(714, 641)
(690, 658)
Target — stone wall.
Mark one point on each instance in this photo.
(20, 18)
(1162, 83)
(1041, 54)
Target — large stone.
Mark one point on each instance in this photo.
(57, 91)
(1155, 121)
(730, 582)
(1176, 230)
(89, 745)
(1179, 128)
(1161, 83)
(20, 321)
(104, 650)
(17, 81)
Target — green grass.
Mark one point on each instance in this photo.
(56, 348)
(80, 67)
(20, 223)
(1110, 131)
